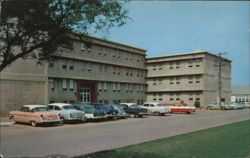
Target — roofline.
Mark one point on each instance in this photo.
(188, 53)
(109, 41)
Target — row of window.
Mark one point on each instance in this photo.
(177, 64)
(101, 68)
(171, 67)
(112, 53)
(172, 82)
(105, 86)
(176, 99)
(139, 102)
(116, 87)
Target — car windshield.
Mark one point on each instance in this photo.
(40, 109)
(160, 105)
(88, 107)
(134, 106)
(68, 107)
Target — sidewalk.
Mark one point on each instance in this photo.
(4, 121)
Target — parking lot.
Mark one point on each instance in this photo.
(74, 139)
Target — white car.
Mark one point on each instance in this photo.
(156, 108)
(67, 112)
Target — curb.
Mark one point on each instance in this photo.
(5, 124)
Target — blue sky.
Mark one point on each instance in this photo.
(167, 27)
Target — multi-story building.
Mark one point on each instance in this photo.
(92, 70)
(188, 77)
(99, 71)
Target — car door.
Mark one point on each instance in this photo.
(23, 114)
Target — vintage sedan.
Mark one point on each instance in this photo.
(156, 108)
(236, 106)
(182, 108)
(110, 112)
(215, 106)
(121, 112)
(67, 112)
(134, 110)
(90, 112)
(34, 114)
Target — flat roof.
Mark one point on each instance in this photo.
(109, 41)
(188, 53)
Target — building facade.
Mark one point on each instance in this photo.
(105, 72)
(23, 82)
(188, 77)
(240, 94)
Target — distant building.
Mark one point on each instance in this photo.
(188, 77)
(241, 94)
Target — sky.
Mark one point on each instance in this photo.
(174, 27)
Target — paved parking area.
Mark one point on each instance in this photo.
(78, 139)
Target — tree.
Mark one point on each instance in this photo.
(46, 25)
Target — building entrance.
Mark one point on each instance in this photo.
(86, 91)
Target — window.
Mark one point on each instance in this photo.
(100, 85)
(160, 81)
(114, 70)
(190, 81)
(197, 81)
(57, 107)
(197, 65)
(154, 67)
(71, 64)
(190, 65)
(83, 47)
(171, 82)
(171, 67)
(105, 86)
(171, 99)
(197, 99)
(127, 87)
(52, 85)
(154, 82)
(71, 85)
(51, 63)
(127, 71)
(177, 99)
(118, 87)
(190, 98)
(64, 82)
(178, 82)
(114, 87)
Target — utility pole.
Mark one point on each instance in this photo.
(220, 64)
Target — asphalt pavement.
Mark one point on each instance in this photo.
(77, 139)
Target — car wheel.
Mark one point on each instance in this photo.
(162, 114)
(132, 115)
(13, 119)
(33, 123)
(84, 119)
(62, 119)
(156, 113)
(140, 116)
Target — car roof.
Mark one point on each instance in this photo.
(60, 104)
(152, 103)
(128, 103)
(33, 106)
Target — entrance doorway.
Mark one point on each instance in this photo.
(86, 91)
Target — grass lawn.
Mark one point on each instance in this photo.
(228, 141)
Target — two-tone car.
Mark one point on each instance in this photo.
(90, 112)
(121, 112)
(34, 115)
(182, 108)
(67, 112)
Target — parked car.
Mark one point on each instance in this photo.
(134, 110)
(121, 112)
(34, 114)
(67, 112)
(90, 111)
(236, 106)
(110, 112)
(156, 108)
(215, 106)
(182, 108)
